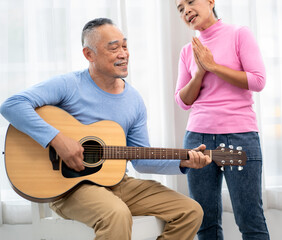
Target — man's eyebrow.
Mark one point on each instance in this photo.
(116, 41)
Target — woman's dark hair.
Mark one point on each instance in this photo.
(97, 22)
(214, 12)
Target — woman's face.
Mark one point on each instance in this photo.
(197, 14)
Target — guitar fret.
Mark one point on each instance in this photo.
(121, 152)
(137, 153)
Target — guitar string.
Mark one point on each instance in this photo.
(98, 149)
(125, 152)
(137, 150)
(143, 153)
(127, 148)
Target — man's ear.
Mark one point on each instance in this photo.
(88, 54)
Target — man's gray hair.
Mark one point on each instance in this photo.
(91, 26)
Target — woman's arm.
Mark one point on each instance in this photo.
(188, 87)
(190, 92)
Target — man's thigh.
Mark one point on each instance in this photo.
(88, 204)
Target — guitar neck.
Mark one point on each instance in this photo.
(121, 152)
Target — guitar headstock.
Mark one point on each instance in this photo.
(223, 156)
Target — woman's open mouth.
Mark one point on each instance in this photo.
(192, 18)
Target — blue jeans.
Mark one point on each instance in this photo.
(244, 187)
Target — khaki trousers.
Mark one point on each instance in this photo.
(109, 210)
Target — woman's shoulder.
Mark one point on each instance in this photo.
(237, 28)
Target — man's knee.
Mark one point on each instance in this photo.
(121, 213)
(194, 212)
(198, 211)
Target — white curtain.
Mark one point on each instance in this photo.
(40, 39)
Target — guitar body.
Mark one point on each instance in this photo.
(30, 169)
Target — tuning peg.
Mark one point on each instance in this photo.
(231, 148)
(222, 145)
(222, 168)
(239, 148)
(231, 162)
(240, 168)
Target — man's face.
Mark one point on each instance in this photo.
(111, 55)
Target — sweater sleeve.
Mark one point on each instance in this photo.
(19, 109)
(251, 59)
(183, 77)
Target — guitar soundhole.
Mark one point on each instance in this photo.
(93, 152)
(93, 160)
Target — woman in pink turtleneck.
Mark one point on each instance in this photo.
(218, 72)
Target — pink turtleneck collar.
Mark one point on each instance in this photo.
(207, 33)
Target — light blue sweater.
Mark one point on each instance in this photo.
(78, 94)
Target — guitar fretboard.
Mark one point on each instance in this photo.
(120, 152)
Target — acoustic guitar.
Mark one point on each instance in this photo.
(38, 174)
